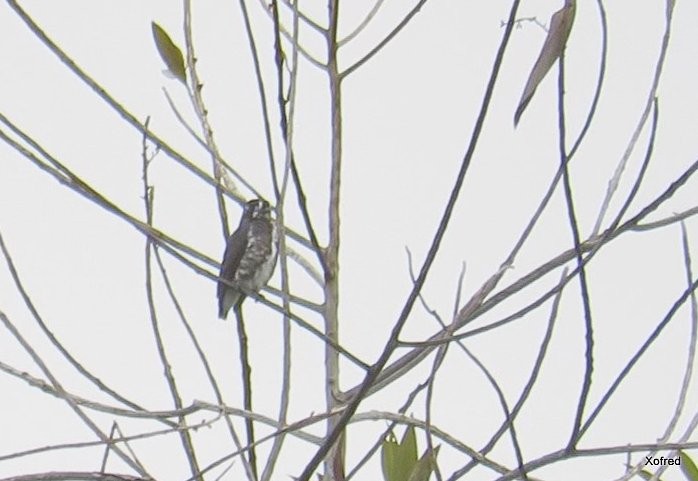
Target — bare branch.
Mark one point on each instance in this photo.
(651, 95)
(148, 196)
(392, 342)
(379, 46)
(364, 23)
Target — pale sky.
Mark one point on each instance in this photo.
(408, 117)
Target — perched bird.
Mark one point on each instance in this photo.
(250, 256)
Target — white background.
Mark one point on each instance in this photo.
(408, 117)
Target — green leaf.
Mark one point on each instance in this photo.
(388, 456)
(399, 459)
(169, 52)
(425, 466)
(644, 474)
(688, 467)
(408, 447)
(647, 475)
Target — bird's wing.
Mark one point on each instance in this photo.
(234, 250)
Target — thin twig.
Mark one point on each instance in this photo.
(666, 221)
(392, 342)
(298, 12)
(576, 238)
(599, 82)
(116, 429)
(148, 196)
(380, 439)
(77, 476)
(565, 455)
(688, 371)
(112, 440)
(49, 375)
(442, 435)
(408, 361)
(313, 242)
(639, 353)
(204, 145)
(508, 415)
(197, 346)
(287, 125)
(526, 391)
(615, 180)
(364, 23)
(391, 35)
(246, 375)
(125, 114)
(287, 36)
(332, 451)
(291, 428)
(169, 244)
(195, 86)
(488, 375)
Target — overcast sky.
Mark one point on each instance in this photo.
(408, 118)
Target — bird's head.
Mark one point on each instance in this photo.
(257, 209)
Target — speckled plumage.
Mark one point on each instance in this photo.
(250, 256)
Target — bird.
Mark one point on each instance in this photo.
(249, 258)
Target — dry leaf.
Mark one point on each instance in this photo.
(169, 52)
(559, 32)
